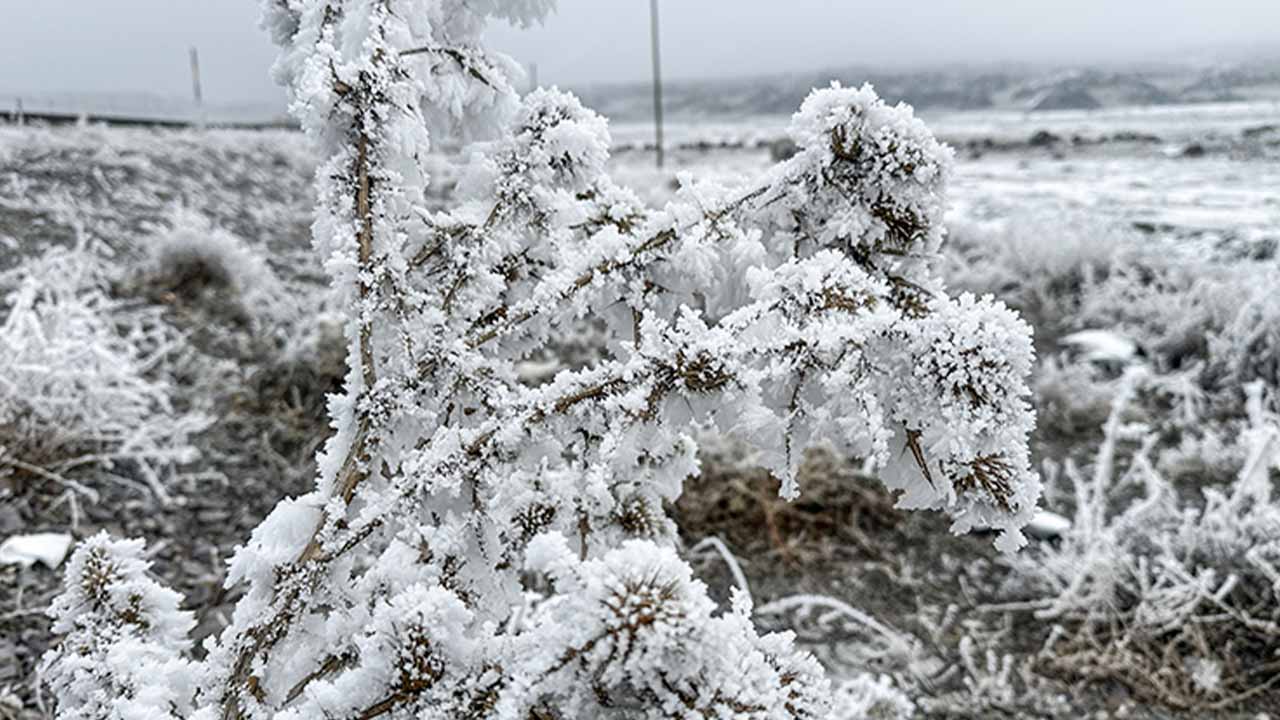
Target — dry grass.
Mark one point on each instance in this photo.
(842, 513)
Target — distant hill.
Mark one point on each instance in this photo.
(952, 89)
(955, 88)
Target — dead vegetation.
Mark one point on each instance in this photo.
(843, 513)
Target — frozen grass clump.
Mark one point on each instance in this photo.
(120, 183)
(1167, 581)
(1072, 398)
(80, 385)
(1178, 599)
(1245, 343)
(1054, 251)
(196, 262)
(1217, 319)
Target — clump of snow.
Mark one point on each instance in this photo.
(27, 550)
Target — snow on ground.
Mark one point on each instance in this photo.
(1136, 167)
(1183, 197)
(1171, 122)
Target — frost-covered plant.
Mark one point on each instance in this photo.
(795, 309)
(78, 382)
(123, 636)
(1042, 254)
(866, 697)
(1141, 583)
(1184, 313)
(1072, 398)
(1041, 263)
(1244, 342)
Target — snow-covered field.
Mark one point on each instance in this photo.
(1175, 123)
(1208, 171)
(1155, 230)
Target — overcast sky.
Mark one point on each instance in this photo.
(111, 46)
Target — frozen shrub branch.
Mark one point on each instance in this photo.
(799, 308)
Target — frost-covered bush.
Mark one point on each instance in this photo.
(123, 636)
(794, 309)
(1180, 599)
(79, 386)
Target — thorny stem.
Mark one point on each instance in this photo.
(457, 55)
(653, 243)
(264, 636)
(365, 238)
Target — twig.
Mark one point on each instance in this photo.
(735, 569)
(88, 492)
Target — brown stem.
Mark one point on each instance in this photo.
(364, 187)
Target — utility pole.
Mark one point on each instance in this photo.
(533, 76)
(657, 76)
(195, 87)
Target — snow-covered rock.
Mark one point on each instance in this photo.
(1046, 525)
(1105, 347)
(27, 550)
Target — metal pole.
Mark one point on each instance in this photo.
(195, 87)
(657, 77)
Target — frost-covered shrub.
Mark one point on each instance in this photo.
(793, 309)
(1141, 585)
(123, 638)
(79, 386)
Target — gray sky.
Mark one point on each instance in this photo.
(608, 39)
(110, 46)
